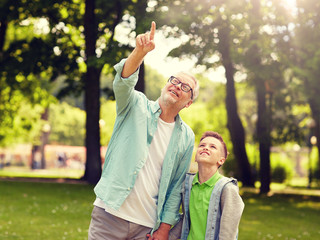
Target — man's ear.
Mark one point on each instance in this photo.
(188, 104)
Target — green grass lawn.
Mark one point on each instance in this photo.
(280, 217)
(54, 211)
(45, 211)
(41, 173)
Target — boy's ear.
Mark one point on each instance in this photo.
(221, 161)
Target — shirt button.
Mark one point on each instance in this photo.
(135, 172)
(128, 188)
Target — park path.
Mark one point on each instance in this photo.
(45, 180)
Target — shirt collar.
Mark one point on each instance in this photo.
(210, 182)
(156, 108)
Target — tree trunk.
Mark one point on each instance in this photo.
(3, 30)
(234, 123)
(264, 118)
(264, 138)
(45, 131)
(92, 141)
(316, 116)
(141, 82)
(92, 98)
(317, 134)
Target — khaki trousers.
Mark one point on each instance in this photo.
(105, 226)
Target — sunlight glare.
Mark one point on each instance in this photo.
(290, 4)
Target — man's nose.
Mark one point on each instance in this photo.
(178, 85)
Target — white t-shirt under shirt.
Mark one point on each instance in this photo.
(140, 206)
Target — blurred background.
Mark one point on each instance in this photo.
(257, 61)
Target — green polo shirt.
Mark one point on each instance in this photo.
(199, 203)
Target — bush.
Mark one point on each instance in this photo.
(279, 174)
(317, 174)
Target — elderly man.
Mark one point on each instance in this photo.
(148, 155)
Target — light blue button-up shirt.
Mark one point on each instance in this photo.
(135, 125)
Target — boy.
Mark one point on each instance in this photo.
(211, 203)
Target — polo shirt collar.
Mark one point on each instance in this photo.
(211, 182)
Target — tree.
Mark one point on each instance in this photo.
(28, 60)
(305, 57)
(211, 28)
(79, 42)
(101, 17)
(262, 50)
(254, 66)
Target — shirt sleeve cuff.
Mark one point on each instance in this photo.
(170, 218)
(132, 79)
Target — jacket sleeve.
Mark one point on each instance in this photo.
(123, 87)
(231, 210)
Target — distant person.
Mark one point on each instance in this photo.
(149, 153)
(62, 158)
(212, 205)
(2, 161)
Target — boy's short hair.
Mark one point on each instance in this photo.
(217, 136)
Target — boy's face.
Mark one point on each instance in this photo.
(210, 152)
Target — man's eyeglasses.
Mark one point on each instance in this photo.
(184, 87)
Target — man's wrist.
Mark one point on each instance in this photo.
(165, 226)
(139, 53)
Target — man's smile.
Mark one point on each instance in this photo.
(174, 93)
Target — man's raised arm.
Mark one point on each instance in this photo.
(144, 44)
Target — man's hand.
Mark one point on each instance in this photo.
(145, 42)
(161, 234)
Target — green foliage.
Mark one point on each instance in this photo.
(278, 174)
(67, 125)
(24, 127)
(282, 163)
(282, 159)
(154, 82)
(108, 117)
(208, 112)
(317, 174)
(42, 52)
(28, 62)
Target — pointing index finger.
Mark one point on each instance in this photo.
(152, 30)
